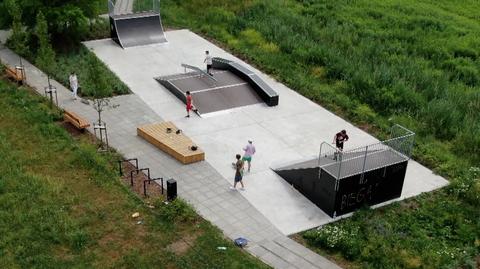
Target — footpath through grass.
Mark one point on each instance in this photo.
(377, 62)
(62, 204)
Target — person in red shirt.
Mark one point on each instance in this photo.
(189, 104)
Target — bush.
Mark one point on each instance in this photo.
(176, 211)
(467, 186)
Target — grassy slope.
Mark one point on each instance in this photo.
(62, 205)
(416, 63)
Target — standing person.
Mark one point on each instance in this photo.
(340, 138)
(73, 84)
(238, 173)
(189, 104)
(249, 150)
(208, 61)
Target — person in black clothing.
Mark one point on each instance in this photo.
(340, 138)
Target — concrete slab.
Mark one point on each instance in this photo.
(292, 130)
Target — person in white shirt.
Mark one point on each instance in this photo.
(249, 150)
(73, 84)
(208, 61)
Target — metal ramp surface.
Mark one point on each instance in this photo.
(137, 29)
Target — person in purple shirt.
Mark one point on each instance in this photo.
(249, 150)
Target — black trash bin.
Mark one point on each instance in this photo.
(171, 189)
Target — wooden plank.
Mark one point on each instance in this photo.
(176, 145)
(75, 120)
(12, 73)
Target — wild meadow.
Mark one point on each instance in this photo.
(376, 63)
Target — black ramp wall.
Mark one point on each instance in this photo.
(353, 192)
(137, 29)
(320, 191)
(376, 186)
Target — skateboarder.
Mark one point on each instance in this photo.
(238, 173)
(208, 61)
(189, 104)
(249, 150)
(73, 84)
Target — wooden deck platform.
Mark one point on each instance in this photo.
(176, 145)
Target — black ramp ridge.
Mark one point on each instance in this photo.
(140, 30)
(268, 95)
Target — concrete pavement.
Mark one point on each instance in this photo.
(291, 131)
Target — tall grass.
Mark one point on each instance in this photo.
(396, 57)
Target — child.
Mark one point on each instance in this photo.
(208, 61)
(238, 173)
(189, 104)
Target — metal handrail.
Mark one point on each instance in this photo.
(199, 70)
(150, 180)
(138, 171)
(120, 162)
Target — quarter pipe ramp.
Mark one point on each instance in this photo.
(138, 29)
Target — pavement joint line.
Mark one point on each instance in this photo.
(195, 76)
(290, 251)
(275, 254)
(219, 87)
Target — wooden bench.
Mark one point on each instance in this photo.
(15, 73)
(77, 121)
(176, 145)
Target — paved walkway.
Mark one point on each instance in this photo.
(198, 183)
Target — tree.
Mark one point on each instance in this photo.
(68, 20)
(45, 54)
(100, 92)
(101, 98)
(18, 39)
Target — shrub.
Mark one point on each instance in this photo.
(467, 186)
(176, 211)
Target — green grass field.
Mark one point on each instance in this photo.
(62, 204)
(376, 62)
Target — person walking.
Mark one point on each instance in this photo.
(189, 104)
(208, 61)
(249, 150)
(239, 166)
(73, 84)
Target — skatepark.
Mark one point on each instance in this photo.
(282, 134)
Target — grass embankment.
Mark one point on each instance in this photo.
(416, 63)
(62, 204)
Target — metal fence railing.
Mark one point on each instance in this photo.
(366, 158)
(124, 7)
